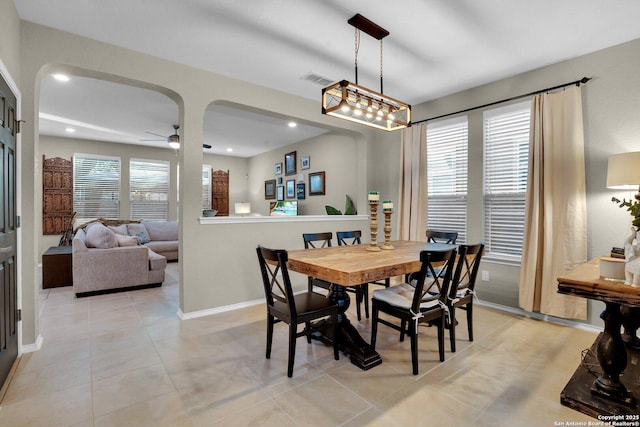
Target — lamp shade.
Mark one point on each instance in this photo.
(243, 208)
(623, 171)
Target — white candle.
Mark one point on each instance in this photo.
(374, 196)
(387, 205)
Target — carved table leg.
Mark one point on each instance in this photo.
(630, 322)
(612, 356)
(349, 340)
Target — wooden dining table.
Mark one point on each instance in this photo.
(353, 265)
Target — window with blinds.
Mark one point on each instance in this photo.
(149, 189)
(447, 160)
(506, 158)
(96, 187)
(206, 187)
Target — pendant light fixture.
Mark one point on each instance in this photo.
(350, 101)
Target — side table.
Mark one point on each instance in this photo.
(56, 267)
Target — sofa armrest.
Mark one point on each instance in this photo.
(110, 268)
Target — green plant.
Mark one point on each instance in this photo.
(633, 207)
(349, 208)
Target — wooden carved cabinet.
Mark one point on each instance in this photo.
(57, 194)
(220, 192)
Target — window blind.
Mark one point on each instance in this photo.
(149, 189)
(506, 159)
(206, 187)
(447, 166)
(96, 187)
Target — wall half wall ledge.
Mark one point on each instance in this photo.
(271, 219)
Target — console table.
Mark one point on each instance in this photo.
(56, 267)
(597, 388)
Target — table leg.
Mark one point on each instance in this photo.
(612, 356)
(349, 340)
(630, 322)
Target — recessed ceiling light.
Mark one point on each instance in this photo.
(292, 124)
(229, 150)
(70, 130)
(61, 77)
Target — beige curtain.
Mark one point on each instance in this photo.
(412, 212)
(555, 239)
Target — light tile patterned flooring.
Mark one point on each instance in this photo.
(126, 360)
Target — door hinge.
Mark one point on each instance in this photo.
(18, 221)
(19, 314)
(19, 125)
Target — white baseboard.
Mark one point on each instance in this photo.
(30, 348)
(543, 317)
(210, 311)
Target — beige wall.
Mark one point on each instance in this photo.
(611, 104)
(10, 37)
(203, 284)
(332, 153)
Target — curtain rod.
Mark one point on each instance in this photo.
(577, 83)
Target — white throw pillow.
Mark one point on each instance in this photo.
(127, 240)
(99, 236)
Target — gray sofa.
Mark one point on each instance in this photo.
(106, 261)
(159, 236)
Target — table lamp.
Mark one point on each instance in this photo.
(623, 172)
(242, 208)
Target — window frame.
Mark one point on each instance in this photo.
(157, 207)
(91, 187)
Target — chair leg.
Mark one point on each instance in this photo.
(307, 326)
(292, 348)
(441, 326)
(374, 324)
(270, 321)
(413, 335)
(452, 328)
(365, 293)
(334, 320)
(470, 320)
(358, 301)
(403, 327)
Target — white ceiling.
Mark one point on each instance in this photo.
(435, 47)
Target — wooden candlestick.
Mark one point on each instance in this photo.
(373, 205)
(387, 230)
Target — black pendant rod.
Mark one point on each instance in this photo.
(577, 83)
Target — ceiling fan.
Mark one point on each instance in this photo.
(173, 140)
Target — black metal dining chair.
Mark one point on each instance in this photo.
(413, 305)
(362, 291)
(439, 236)
(313, 241)
(284, 306)
(462, 289)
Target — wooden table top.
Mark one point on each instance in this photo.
(354, 265)
(585, 281)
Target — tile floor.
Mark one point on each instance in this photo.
(126, 360)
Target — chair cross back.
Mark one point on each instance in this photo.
(437, 236)
(346, 238)
(317, 240)
(276, 276)
(441, 278)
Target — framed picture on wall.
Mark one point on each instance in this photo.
(290, 163)
(316, 184)
(291, 189)
(300, 191)
(304, 162)
(270, 189)
(280, 193)
(277, 168)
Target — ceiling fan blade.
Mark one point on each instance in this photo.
(161, 136)
(161, 140)
(207, 146)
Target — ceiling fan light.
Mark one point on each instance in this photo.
(174, 144)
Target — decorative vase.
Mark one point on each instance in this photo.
(632, 259)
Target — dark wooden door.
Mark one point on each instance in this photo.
(220, 192)
(8, 273)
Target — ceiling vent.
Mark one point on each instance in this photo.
(317, 79)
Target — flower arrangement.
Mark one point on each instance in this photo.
(633, 207)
